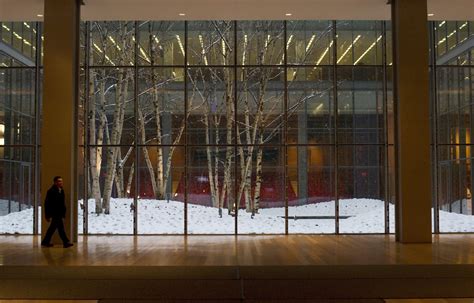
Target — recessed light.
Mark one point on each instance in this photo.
(288, 14)
(430, 15)
(182, 14)
(39, 15)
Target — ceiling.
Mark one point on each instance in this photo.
(27, 10)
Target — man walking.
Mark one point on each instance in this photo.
(55, 212)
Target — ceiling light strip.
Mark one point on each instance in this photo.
(180, 44)
(349, 48)
(368, 49)
(324, 53)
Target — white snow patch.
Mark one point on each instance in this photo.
(163, 217)
(19, 222)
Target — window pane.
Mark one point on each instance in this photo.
(260, 105)
(454, 189)
(260, 42)
(359, 42)
(360, 105)
(111, 106)
(309, 42)
(161, 106)
(211, 43)
(361, 189)
(453, 105)
(311, 198)
(210, 190)
(17, 106)
(16, 190)
(111, 190)
(368, 49)
(112, 43)
(211, 106)
(161, 43)
(161, 190)
(261, 190)
(310, 106)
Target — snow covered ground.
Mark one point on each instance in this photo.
(20, 222)
(163, 217)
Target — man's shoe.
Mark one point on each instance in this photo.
(47, 245)
(68, 245)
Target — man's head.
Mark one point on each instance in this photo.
(58, 181)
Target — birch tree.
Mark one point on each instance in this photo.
(161, 108)
(214, 88)
(263, 41)
(211, 96)
(109, 92)
(261, 97)
(261, 100)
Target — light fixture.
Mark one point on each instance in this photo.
(368, 50)
(40, 15)
(309, 43)
(324, 54)
(349, 48)
(182, 14)
(288, 14)
(180, 44)
(430, 15)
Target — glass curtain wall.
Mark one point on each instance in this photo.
(225, 127)
(19, 104)
(452, 66)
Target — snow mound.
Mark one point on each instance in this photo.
(167, 217)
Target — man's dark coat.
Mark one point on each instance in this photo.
(55, 203)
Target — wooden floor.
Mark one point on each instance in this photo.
(296, 268)
(237, 251)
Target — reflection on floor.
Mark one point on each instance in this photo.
(237, 268)
(237, 251)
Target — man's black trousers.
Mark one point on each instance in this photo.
(56, 223)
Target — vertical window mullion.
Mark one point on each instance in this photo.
(236, 203)
(385, 126)
(186, 128)
(285, 125)
(85, 218)
(135, 147)
(37, 109)
(336, 130)
(434, 81)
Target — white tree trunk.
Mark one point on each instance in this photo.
(119, 175)
(146, 156)
(227, 187)
(116, 134)
(258, 177)
(158, 190)
(128, 188)
(94, 170)
(210, 161)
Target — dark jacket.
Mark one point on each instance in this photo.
(55, 204)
